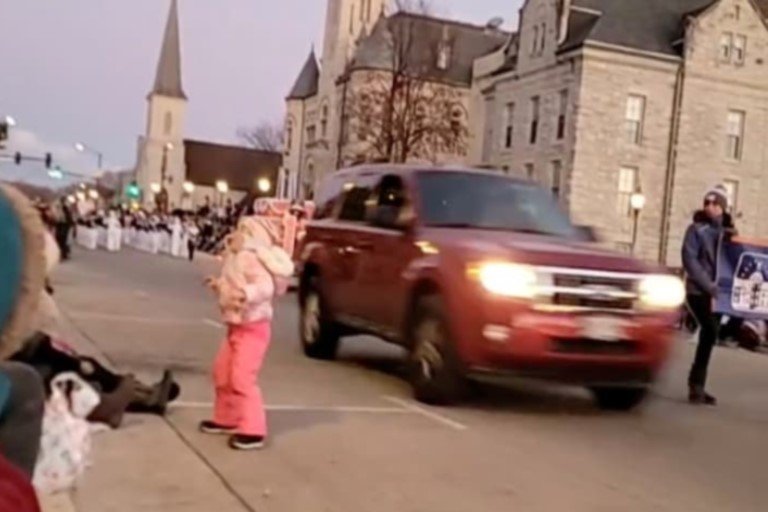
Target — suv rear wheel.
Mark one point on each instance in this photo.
(434, 367)
(619, 398)
(319, 335)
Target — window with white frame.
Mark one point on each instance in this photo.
(635, 117)
(627, 187)
(735, 134)
(739, 50)
(556, 178)
(726, 42)
(732, 190)
(535, 110)
(509, 125)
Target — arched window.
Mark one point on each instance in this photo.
(288, 135)
(168, 123)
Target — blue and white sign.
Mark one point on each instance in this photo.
(743, 279)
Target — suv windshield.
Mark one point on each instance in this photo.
(483, 201)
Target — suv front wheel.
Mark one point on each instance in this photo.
(319, 334)
(434, 367)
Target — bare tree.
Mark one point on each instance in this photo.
(265, 136)
(398, 114)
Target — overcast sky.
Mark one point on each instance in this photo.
(79, 70)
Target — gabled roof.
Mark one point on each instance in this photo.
(168, 78)
(648, 25)
(240, 167)
(307, 82)
(466, 42)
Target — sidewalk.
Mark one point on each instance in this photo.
(143, 466)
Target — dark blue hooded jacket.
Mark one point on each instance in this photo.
(700, 248)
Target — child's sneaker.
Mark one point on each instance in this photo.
(210, 427)
(243, 442)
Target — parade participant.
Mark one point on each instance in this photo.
(191, 233)
(114, 232)
(699, 254)
(254, 271)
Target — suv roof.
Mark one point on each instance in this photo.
(407, 169)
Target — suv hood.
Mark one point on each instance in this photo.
(540, 250)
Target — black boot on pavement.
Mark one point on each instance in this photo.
(211, 427)
(155, 399)
(245, 443)
(698, 396)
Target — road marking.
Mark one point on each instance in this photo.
(439, 418)
(352, 409)
(213, 323)
(82, 315)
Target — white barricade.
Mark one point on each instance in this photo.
(87, 237)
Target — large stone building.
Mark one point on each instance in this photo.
(189, 171)
(597, 100)
(361, 46)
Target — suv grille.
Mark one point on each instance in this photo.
(591, 290)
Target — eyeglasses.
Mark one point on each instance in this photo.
(711, 202)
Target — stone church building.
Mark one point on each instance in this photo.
(191, 172)
(594, 99)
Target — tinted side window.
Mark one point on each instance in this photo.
(328, 197)
(356, 199)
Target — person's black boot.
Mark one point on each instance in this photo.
(155, 399)
(697, 396)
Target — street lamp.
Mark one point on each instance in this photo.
(264, 185)
(82, 148)
(93, 194)
(189, 187)
(10, 121)
(155, 188)
(71, 199)
(637, 203)
(223, 188)
(80, 196)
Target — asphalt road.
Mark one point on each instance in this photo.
(346, 435)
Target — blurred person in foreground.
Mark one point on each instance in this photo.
(22, 274)
(700, 252)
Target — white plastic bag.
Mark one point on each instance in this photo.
(65, 446)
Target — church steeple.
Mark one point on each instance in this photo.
(168, 78)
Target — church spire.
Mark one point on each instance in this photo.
(168, 78)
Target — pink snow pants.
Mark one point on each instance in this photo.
(239, 403)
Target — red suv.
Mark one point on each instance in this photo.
(479, 276)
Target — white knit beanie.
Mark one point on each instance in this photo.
(720, 194)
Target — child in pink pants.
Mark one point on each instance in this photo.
(254, 271)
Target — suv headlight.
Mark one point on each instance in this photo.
(662, 292)
(506, 279)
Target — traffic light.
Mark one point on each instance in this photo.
(17, 158)
(48, 160)
(133, 191)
